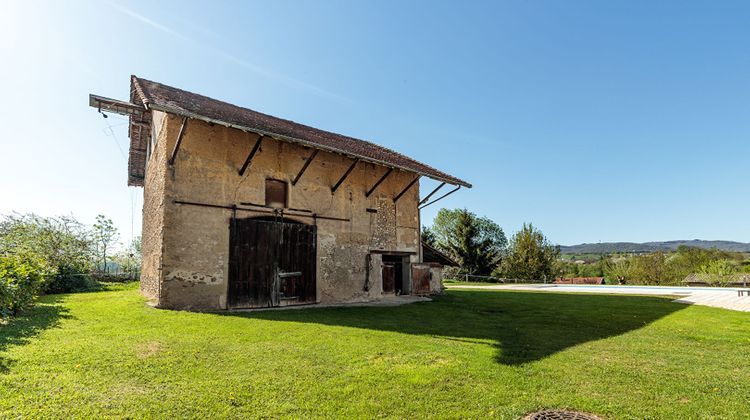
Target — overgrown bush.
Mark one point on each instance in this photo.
(62, 246)
(70, 282)
(21, 281)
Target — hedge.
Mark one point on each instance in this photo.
(21, 280)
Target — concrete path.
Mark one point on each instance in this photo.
(717, 297)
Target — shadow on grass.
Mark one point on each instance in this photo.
(20, 330)
(525, 326)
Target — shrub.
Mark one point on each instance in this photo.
(21, 280)
(68, 283)
(62, 245)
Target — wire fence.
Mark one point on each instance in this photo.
(117, 274)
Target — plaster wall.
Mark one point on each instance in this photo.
(195, 240)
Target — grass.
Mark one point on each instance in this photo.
(467, 354)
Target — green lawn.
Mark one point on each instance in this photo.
(467, 354)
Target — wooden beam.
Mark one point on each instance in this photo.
(179, 141)
(382, 178)
(432, 193)
(250, 156)
(304, 167)
(343, 177)
(414, 181)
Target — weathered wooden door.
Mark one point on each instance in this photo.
(271, 263)
(420, 279)
(389, 278)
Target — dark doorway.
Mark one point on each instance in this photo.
(271, 263)
(389, 277)
(393, 267)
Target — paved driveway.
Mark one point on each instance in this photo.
(708, 296)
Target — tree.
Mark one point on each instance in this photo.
(652, 268)
(531, 256)
(477, 243)
(618, 269)
(105, 237)
(428, 237)
(722, 267)
(129, 259)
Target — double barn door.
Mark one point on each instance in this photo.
(271, 263)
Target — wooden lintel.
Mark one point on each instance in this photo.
(382, 178)
(304, 167)
(250, 156)
(343, 177)
(413, 181)
(432, 193)
(179, 141)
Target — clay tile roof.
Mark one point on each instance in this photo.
(177, 101)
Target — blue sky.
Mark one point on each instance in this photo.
(596, 121)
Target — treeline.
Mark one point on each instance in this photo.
(481, 248)
(711, 266)
(41, 255)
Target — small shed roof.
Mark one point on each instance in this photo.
(158, 96)
(433, 255)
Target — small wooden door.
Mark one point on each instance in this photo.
(420, 279)
(389, 278)
(271, 263)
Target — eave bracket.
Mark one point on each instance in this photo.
(414, 181)
(343, 177)
(176, 148)
(250, 156)
(382, 178)
(304, 167)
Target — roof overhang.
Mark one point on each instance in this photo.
(116, 106)
(139, 131)
(306, 143)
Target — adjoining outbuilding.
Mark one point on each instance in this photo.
(245, 210)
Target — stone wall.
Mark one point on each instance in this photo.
(436, 278)
(196, 239)
(153, 213)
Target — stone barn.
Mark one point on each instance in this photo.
(245, 210)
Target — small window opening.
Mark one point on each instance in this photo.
(276, 193)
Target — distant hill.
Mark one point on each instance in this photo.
(610, 247)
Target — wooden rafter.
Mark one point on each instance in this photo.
(250, 156)
(382, 178)
(304, 167)
(179, 141)
(413, 181)
(343, 177)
